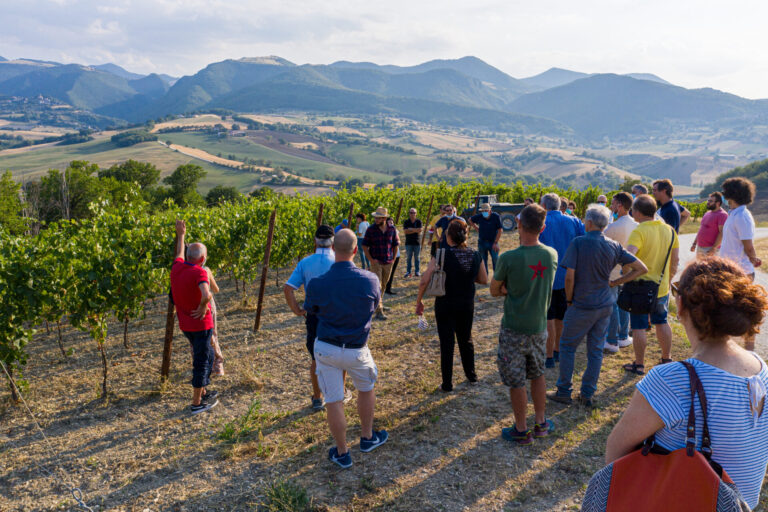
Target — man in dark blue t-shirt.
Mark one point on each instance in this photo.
(671, 211)
(443, 223)
(488, 226)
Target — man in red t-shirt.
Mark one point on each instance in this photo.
(191, 294)
(711, 231)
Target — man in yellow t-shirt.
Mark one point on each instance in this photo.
(650, 242)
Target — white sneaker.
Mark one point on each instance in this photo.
(347, 396)
(625, 342)
(610, 347)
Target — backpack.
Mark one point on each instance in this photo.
(436, 286)
(654, 479)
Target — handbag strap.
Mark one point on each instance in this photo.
(669, 251)
(690, 438)
(440, 257)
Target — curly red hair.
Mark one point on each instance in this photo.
(721, 299)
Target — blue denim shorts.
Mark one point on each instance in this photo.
(658, 317)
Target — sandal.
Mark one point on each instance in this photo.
(637, 369)
(665, 361)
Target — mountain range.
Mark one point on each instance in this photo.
(465, 92)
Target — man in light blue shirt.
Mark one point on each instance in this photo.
(307, 269)
(559, 231)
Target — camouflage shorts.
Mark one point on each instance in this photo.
(521, 357)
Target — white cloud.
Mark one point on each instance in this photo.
(688, 42)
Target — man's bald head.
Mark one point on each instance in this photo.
(197, 253)
(345, 245)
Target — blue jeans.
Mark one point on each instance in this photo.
(412, 251)
(578, 322)
(364, 263)
(484, 248)
(202, 361)
(618, 329)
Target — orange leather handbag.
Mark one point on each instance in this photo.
(654, 479)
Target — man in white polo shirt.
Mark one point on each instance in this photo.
(619, 230)
(739, 231)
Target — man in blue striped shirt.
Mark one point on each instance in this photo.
(309, 268)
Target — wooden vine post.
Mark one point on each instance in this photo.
(270, 235)
(165, 368)
(320, 215)
(399, 209)
(349, 216)
(429, 215)
(456, 204)
(477, 203)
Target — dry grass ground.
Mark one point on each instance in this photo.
(198, 120)
(141, 451)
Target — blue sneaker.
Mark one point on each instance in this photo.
(343, 461)
(556, 356)
(550, 362)
(378, 438)
(513, 435)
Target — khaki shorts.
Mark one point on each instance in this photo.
(333, 361)
(521, 357)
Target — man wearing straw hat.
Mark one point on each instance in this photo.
(380, 245)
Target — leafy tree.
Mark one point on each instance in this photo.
(11, 206)
(183, 183)
(131, 171)
(132, 137)
(221, 194)
(263, 193)
(67, 194)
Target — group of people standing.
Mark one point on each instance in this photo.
(560, 286)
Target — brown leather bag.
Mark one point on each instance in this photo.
(654, 479)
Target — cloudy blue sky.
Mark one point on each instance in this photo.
(698, 43)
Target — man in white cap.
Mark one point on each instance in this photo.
(380, 246)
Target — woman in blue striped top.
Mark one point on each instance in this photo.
(716, 302)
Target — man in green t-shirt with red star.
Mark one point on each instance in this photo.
(525, 276)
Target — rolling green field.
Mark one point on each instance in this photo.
(33, 163)
(373, 158)
(242, 148)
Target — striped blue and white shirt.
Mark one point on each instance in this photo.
(739, 436)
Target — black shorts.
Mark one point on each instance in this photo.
(558, 305)
(311, 323)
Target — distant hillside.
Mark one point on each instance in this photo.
(2, 59)
(307, 89)
(755, 171)
(469, 66)
(13, 68)
(76, 85)
(556, 102)
(619, 106)
(647, 76)
(193, 92)
(555, 77)
(117, 70)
